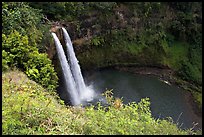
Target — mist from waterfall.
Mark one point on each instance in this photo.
(74, 81)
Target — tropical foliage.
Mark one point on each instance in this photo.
(157, 34)
(19, 44)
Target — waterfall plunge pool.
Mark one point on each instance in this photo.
(166, 100)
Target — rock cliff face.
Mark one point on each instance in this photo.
(51, 51)
(96, 24)
(76, 40)
(126, 33)
(56, 28)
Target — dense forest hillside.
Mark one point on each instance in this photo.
(104, 34)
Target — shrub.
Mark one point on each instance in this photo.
(96, 41)
(39, 68)
(16, 47)
(17, 52)
(190, 72)
(21, 17)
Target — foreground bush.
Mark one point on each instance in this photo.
(28, 109)
(17, 52)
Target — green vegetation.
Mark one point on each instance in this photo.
(120, 33)
(27, 109)
(18, 53)
(19, 44)
(145, 33)
(176, 53)
(22, 18)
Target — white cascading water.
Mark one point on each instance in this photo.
(75, 85)
(84, 92)
(70, 83)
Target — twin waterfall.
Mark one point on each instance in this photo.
(71, 71)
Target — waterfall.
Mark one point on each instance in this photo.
(69, 81)
(75, 68)
(75, 85)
